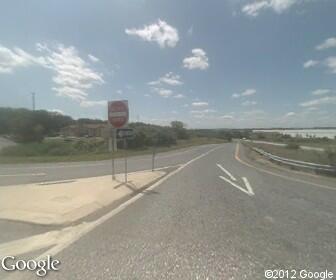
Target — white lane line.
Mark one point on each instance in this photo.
(236, 186)
(248, 186)
(227, 172)
(60, 247)
(23, 174)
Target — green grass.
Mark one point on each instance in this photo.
(83, 150)
(311, 142)
(327, 157)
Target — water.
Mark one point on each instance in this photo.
(305, 133)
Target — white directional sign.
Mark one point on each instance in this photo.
(125, 133)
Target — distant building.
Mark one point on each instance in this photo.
(84, 130)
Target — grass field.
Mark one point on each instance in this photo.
(83, 150)
(327, 157)
(310, 142)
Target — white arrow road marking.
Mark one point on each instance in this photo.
(227, 172)
(248, 186)
(249, 190)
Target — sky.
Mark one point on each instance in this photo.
(210, 64)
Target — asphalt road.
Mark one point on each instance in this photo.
(11, 174)
(197, 225)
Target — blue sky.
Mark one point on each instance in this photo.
(216, 63)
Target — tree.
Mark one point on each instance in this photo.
(179, 129)
(29, 126)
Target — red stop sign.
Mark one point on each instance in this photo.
(118, 113)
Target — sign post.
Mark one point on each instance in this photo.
(153, 159)
(111, 149)
(118, 115)
(125, 147)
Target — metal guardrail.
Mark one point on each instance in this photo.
(298, 163)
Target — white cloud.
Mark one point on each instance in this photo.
(247, 92)
(198, 60)
(91, 103)
(16, 58)
(253, 9)
(73, 76)
(320, 101)
(169, 79)
(327, 44)
(249, 103)
(93, 58)
(290, 114)
(330, 62)
(163, 92)
(159, 32)
(321, 92)
(179, 96)
(147, 95)
(279, 6)
(205, 111)
(200, 104)
(119, 91)
(310, 63)
(227, 117)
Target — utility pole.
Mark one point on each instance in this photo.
(33, 100)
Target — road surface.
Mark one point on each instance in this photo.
(219, 216)
(11, 174)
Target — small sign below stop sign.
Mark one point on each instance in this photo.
(118, 113)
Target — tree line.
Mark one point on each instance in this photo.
(25, 126)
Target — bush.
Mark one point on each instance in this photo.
(331, 154)
(55, 148)
(293, 146)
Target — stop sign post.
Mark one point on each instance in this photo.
(118, 115)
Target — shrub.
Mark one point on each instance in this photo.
(293, 146)
(331, 155)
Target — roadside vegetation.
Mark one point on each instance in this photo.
(324, 143)
(293, 151)
(39, 138)
(85, 150)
